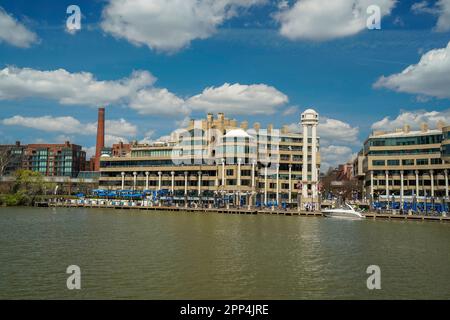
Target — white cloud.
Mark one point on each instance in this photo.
(290, 111)
(414, 119)
(150, 133)
(325, 20)
(46, 123)
(158, 101)
(168, 25)
(112, 139)
(119, 127)
(239, 99)
(70, 88)
(15, 33)
(430, 77)
(423, 7)
(283, 4)
(183, 123)
(443, 23)
(148, 137)
(441, 8)
(332, 131)
(136, 92)
(70, 125)
(334, 155)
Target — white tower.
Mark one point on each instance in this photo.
(310, 119)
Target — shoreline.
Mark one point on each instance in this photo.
(252, 211)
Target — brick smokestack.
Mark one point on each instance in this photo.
(100, 138)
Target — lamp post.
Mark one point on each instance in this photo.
(265, 185)
(159, 180)
(299, 195)
(199, 191)
(185, 189)
(239, 161)
(146, 179)
(173, 183)
(290, 185)
(134, 180)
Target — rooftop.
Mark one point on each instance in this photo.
(399, 134)
(236, 133)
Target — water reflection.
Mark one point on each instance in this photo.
(130, 254)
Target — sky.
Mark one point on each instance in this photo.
(154, 64)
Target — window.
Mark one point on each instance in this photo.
(408, 162)
(422, 162)
(436, 161)
(445, 150)
(403, 152)
(378, 162)
(406, 141)
(393, 162)
(246, 173)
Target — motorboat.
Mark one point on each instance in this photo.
(344, 212)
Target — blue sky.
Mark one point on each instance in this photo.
(283, 72)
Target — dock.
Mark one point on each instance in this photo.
(243, 211)
(412, 217)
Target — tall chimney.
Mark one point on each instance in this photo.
(100, 138)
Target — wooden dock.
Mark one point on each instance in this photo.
(369, 215)
(384, 216)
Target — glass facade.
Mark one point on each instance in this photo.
(405, 141)
(151, 153)
(402, 152)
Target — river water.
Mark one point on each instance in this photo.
(126, 254)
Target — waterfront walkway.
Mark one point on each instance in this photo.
(274, 211)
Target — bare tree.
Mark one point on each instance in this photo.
(5, 159)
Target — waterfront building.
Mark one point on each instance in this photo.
(61, 160)
(216, 157)
(117, 150)
(65, 160)
(405, 165)
(11, 156)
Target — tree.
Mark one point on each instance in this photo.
(28, 184)
(5, 159)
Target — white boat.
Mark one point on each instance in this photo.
(346, 212)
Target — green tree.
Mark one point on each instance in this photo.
(28, 185)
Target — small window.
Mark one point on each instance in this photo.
(393, 162)
(422, 162)
(408, 162)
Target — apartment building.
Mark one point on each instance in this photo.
(405, 164)
(217, 156)
(59, 160)
(55, 159)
